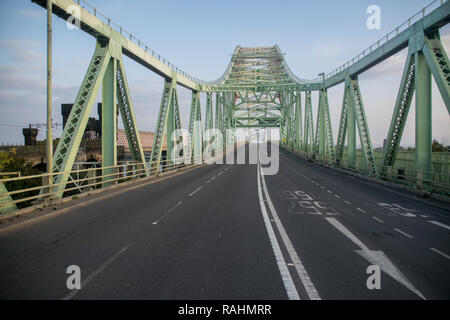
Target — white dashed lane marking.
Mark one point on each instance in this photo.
(377, 219)
(440, 253)
(404, 233)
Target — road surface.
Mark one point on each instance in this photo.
(228, 232)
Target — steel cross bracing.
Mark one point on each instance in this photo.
(257, 90)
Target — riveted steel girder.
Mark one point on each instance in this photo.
(70, 140)
(161, 124)
(363, 127)
(401, 110)
(128, 116)
(309, 126)
(195, 129)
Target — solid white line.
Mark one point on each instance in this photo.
(289, 285)
(440, 252)
(361, 210)
(96, 273)
(347, 233)
(195, 191)
(299, 267)
(167, 212)
(404, 233)
(439, 224)
(377, 219)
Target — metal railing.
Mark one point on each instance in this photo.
(108, 21)
(81, 180)
(419, 15)
(113, 25)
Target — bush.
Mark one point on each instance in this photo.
(10, 162)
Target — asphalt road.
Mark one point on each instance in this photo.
(229, 232)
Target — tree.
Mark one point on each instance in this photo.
(10, 162)
(438, 147)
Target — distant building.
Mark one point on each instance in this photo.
(145, 136)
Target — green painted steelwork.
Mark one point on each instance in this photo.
(109, 120)
(195, 129)
(309, 126)
(6, 198)
(363, 127)
(257, 90)
(69, 143)
(423, 113)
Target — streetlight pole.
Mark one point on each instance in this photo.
(49, 144)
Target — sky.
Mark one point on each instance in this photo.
(199, 37)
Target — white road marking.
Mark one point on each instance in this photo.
(299, 267)
(361, 210)
(377, 219)
(440, 224)
(73, 293)
(168, 212)
(213, 178)
(348, 202)
(334, 222)
(195, 191)
(440, 252)
(337, 196)
(329, 191)
(220, 173)
(404, 233)
(376, 257)
(289, 285)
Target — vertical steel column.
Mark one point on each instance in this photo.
(298, 122)
(321, 124)
(342, 133)
(208, 117)
(171, 138)
(161, 125)
(109, 121)
(423, 114)
(49, 142)
(195, 129)
(351, 128)
(309, 126)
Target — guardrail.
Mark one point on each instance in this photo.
(81, 180)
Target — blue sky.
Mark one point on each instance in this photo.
(199, 36)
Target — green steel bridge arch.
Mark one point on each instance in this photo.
(257, 90)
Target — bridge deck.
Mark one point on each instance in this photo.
(202, 235)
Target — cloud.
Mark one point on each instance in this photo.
(22, 51)
(31, 13)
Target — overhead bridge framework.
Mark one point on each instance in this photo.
(257, 90)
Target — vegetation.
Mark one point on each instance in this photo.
(10, 162)
(438, 147)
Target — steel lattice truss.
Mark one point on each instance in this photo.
(257, 90)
